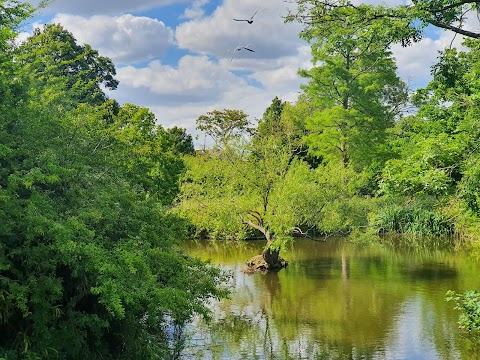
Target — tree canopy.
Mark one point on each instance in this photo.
(356, 92)
(90, 264)
(403, 23)
(67, 72)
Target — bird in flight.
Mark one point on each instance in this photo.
(239, 48)
(251, 18)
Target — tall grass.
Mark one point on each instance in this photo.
(411, 219)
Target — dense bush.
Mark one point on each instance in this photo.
(90, 266)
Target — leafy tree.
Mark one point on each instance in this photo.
(436, 147)
(356, 93)
(12, 13)
(89, 266)
(224, 126)
(177, 140)
(65, 71)
(287, 122)
(148, 153)
(270, 121)
(260, 186)
(404, 23)
(89, 260)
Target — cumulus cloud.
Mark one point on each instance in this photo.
(91, 7)
(200, 74)
(179, 94)
(194, 79)
(195, 11)
(282, 76)
(268, 35)
(125, 39)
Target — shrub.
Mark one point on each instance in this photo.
(469, 305)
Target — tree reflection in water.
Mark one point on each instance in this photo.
(336, 301)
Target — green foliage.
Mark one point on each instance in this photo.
(65, 72)
(177, 140)
(224, 126)
(92, 251)
(469, 305)
(356, 92)
(89, 261)
(402, 24)
(148, 152)
(436, 149)
(411, 219)
(259, 186)
(270, 122)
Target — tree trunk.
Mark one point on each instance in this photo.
(271, 256)
(268, 261)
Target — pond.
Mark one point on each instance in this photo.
(337, 300)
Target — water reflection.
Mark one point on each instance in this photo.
(337, 301)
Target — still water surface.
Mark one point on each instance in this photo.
(337, 300)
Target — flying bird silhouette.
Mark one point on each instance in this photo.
(251, 18)
(239, 48)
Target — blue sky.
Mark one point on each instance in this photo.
(175, 56)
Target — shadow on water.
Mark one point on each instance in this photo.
(338, 301)
(432, 271)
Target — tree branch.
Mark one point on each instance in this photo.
(455, 29)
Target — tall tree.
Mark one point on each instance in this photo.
(67, 72)
(270, 121)
(356, 90)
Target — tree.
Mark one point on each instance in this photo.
(177, 140)
(356, 93)
(403, 24)
(12, 13)
(287, 122)
(67, 72)
(147, 152)
(436, 148)
(224, 126)
(89, 266)
(270, 121)
(89, 261)
(259, 186)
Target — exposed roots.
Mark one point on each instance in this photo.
(258, 264)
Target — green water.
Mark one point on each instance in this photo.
(338, 301)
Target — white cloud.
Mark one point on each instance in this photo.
(282, 76)
(125, 39)
(195, 11)
(268, 35)
(178, 90)
(414, 62)
(91, 7)
(179, 94)
(195, 79)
